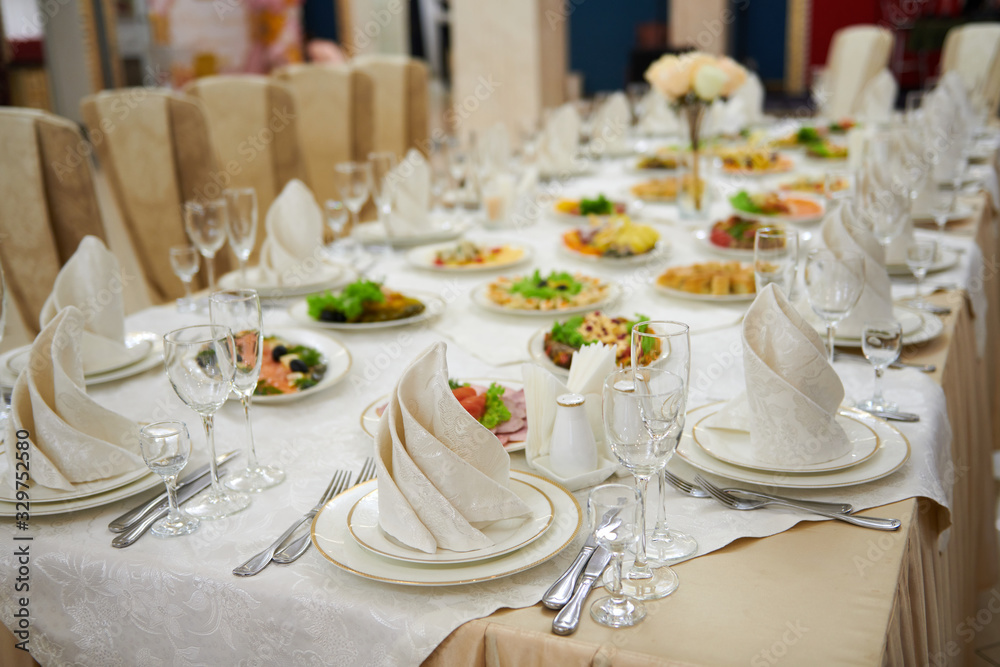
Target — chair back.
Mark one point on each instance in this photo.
(401, 102)
(857, 53)
(973, 51)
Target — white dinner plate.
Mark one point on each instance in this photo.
(433, 303)
(334, 354)
(144, 483)
(892, 453)
(423, 257)
(919, 326)
(480, 299)
(960, 212)
(327, 276)
(333, 540)
(732, 446)
(584, 220)
(442, 228)
(709, 298)
(507, 535)
(370, 415)
(138, 346)
(658, 253)
(946, 258)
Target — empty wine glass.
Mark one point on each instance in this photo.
(834, 283)
(665, 345)
(198, 361)
(337, 217)
(166, 447)
(353, 181)
(942, 203)
(612, 514)
(382, 163)
(919, 259)
(239, 311)
(775, 258)
(241, 227)
(185, 260)
(643, 417)
(205, 223)
(881, 342)
(836, 185)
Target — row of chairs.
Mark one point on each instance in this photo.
(159, 148)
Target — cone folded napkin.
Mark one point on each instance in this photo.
(558, 142)
(73, 439)
(657, 116)
(294, 227)
(440, 471)
(410, 182)
(792, 392)
(612, 122)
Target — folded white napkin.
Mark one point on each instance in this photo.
(751, 96)
(294, 228)
(73, 439)
(440, 471)
(410, 182)
(843, 232)
(792, 392)
(658, 117)
(724, 117)
(92, 281)
(877, 98)
(590, 366)
(612, 122)
(558, 142)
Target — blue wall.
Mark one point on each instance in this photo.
(759, 36)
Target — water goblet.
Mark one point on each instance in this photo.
(942, 202)
(664, 345)
(205, 223)
(241, 224)
(881, 343)
(353, 182)
(775, 258)
(166, 447)
(834, 283)
(382, 163)
(622, 503)
(185, 260)
(920, 258)
(337, 218)
(199, 364)
(836, 185)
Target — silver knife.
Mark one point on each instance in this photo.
(137, 514)
(138, 530)
(561, 591)
(568, 618)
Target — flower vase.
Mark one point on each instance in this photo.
(692, 190)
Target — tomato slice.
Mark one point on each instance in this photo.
(475, 405)
(463, 392)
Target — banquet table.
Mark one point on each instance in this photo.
(786, 589)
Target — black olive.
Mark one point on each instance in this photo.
(561, 287)
(332, 316)
(543, 283)
(278, 352)
(298, 366)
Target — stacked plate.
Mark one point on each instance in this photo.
(877, 450)
(347, 533)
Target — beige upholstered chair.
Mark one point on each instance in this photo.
(335, 120)
(857, 54)
(153, 146)
(253, 125)
(973, 51)
(401, 99)
(47, 203)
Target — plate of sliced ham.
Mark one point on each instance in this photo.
(481, 398)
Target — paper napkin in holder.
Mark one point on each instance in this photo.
(440, 472)
(294, 228)
(73, 439)
(792, 393)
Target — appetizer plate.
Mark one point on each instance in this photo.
(423, 257)
(960, 212)
(584, 220)
(731, 446)
(152, 359)
(433, 303)
(703, 236)
(783, 166)
(441, 228)
(946, 259)
(480, 299)
(892, 452)
(333, 540)
(536, 348)
(335, 356)
(370, 416)
(659, 252)
(812, 210)
(710, 298)
(507, 535)
(326, 276)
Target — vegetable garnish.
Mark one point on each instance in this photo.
(557, 283)
(496, 412)
(350, 301)
(600, 206)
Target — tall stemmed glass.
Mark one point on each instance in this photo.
(184, 259)
(881, 342)
(165, 448)
(353, 181)
(643, 418)
(382, 164)
(920, 258)
(198, 360)
(205, 223)
(622, 503)
(942, 202)
(775, 258)
(834, 283)
(241, 227)
(239, 311)
(665, 345)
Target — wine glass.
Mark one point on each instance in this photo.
(665, 345)
(166, 447)
(881, 342)
(919, 259)
(241, 227)
(775, 258)
(643, 418)
(836, 185)
(942, 202)
(185, 260)
(620, 503)
(834, 283)
(353, 180)
(205, 223)
(337, 217)
(382, 163)
(198, 360)
(239, 311)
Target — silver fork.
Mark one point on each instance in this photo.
(261, 560)
(291, 551)
(735, 503)
(695, 491)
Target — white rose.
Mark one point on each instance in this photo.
(669, 75)
(709, 82)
